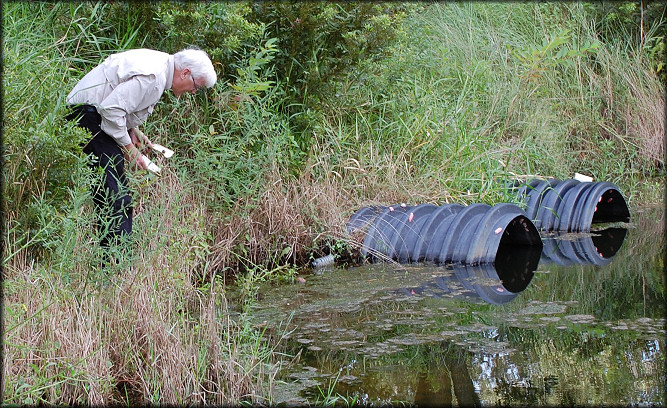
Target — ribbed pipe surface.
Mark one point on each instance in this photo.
(448, 233)
(571, 205)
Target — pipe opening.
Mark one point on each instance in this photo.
(611, 207)
(607, 242)
(516, 266)
(519, 232)
(518, 254)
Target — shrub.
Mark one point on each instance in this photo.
(41, 152)
(222, 29)
(246, 137)
(319, 41)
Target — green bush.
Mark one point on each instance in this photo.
(319, 41)
(41, 151)
(222, 29)
(246, 138)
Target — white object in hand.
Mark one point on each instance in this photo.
(151, 166)
(159, 148)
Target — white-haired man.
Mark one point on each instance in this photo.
(111, 101)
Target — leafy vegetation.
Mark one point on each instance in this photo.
(320, 108)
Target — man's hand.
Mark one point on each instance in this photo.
(133, 156)
(140, 140)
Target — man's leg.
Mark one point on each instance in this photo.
(111, 196)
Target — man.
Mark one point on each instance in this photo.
(111, 101)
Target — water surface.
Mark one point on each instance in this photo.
(582, 324)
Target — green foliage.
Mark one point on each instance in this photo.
(85, 33)
(633, 24)
(625, 20)
(231, 157)
(222, 29)
(320, 41)
(329, 398)
(41, 152)
(476, 94)
(250, 81)
(552, 53)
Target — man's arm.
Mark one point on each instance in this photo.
(119, 107)
(140, 139)
(133, 156)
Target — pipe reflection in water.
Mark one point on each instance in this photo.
(514, 267)
(513, 263)
(496, 283)
(549, 344)
(500, 282)
(597, 248)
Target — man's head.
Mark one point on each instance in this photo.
(192, 70)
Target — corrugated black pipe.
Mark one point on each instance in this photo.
(448, 233)
(571, 205)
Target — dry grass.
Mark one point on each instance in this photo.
(275, 226)
(295, 219)
(635, 104)
(646, 117)
(150, 336)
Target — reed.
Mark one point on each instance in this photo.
(160, 333)
(504, 91)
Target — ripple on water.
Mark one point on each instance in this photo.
(543, 308)
(580, 318)
(379, 349)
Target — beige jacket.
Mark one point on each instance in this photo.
(124, 89)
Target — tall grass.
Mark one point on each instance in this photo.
(73, 333)
(162, 333)
(504, 91)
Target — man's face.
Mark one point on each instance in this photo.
(184, 82)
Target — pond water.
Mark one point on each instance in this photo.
(581, 323)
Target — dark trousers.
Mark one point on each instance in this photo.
(111, 196)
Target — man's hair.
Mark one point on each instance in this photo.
(198, 62)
